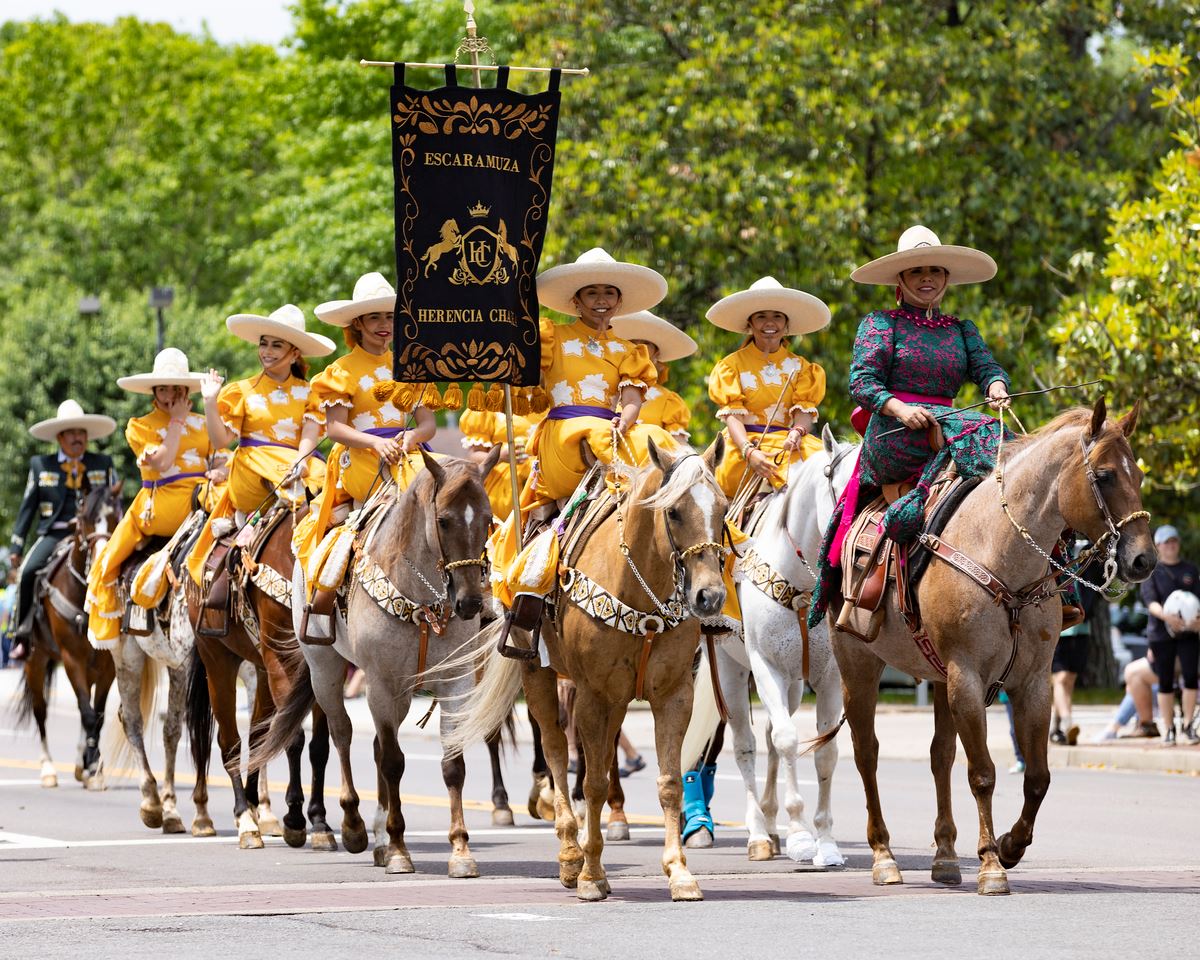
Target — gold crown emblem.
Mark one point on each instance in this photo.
(479, 210)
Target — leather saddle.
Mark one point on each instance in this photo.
(137, 621)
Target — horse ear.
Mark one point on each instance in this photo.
(828, 441)
(1128, 423)
(488, 464)
(1099, 412)
(656, 456)
(715, 452)
(436, 470)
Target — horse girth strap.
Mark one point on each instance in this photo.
(63, 606)
(715, 675)
(601, 605)
(376, 584)
(778, 588)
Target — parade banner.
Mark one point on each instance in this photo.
(473, 171)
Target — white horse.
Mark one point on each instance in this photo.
(788, 540)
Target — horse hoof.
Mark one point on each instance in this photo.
(502, 817)
(355, 841)
(379, 856)
(617, 830)
(994, 883)
(49, 781)
(758, 850)
(1010, 854)
(152, 817)
(172, 823)
(325, 841)
(828, 855)
(203, 827)
(79, 773)
(683, 891)
(250, 841)
(700, 840)
(295, 838)
(568, 873)
(590, 891)
(885, 873)
(463, 868)
(776, 847)
(399, 863)
(947, 872)
(95, 783)
(802, 846)
(270, 826)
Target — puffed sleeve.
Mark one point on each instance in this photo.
(981, 365)
(231, 405)
(143, 439)
(725, 390)
(332, 387)
(636, 368)
(808, 388)
(477, 430)
(872, 361)
(676, 416)
(548, 338)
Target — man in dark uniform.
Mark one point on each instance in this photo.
(50, 499)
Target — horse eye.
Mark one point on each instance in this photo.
(443, 523)
(1105, 476)
(673, 514)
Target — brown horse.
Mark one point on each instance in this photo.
(60, 635)
(257, 631)
(662, 548)
(1079, 473)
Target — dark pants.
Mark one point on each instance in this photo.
(32, 564)
(1185, 646)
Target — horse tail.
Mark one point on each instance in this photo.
(200, 720)
(827, 737)
(705, 717)
(117, 749)
(24, 707)
(480, 713)
(285, 722)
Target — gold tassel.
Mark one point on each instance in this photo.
(405, 395)
(521, 403)
(431, 399)
(494, 401)
(452, 399)
(475, 399)
(539, 400)
(384, 390)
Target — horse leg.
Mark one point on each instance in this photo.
(541, 793)
(745, 753)
(328, 671)
(379, 828)
(502, 815)
(861, 670)
(294, 832)
(597, 725)
(318, 759)
(222, 693)
(77, 675)
(671, 716)
(101, 683)
(130, 661)
(257, 791)
(775, 691)
(454, 775)
(828, 691)
(541, 698)
(941, 762)
(770, 792)
(37, 672)
(1031, 718)
(390, 763)
(618, 823)
(172, 822)
(965, 693)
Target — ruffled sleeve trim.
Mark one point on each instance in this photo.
(726, 412)
(640, 384)
(805, 408)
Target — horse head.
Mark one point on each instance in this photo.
(1099, 492)
(97, 514)
(692, 507)
(457, 515)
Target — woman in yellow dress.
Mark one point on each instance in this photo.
(375, 424)
(172, 447)
(482, 430)
(264, 414)
(767, 395)
(665, 343)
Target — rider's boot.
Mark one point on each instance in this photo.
(21, 638)
(695, 807)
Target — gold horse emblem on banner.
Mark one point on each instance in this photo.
(484, 255)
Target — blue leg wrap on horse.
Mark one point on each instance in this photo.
(695, 808)
(708, 780)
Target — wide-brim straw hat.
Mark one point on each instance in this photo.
(672, 343)
(71, 417)
(805, 313)
(170, 370)
(372, 294)
(920, 247)
(641, 288)
(286, 323)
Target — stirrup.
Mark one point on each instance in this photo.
(526, 614)
(696, 816)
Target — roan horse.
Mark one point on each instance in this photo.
(783, 656)
(60, 635)
(662, 545)
(1079, 473)
(415, 597)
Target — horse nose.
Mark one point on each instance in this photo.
(1141, 565)
(709, 600)
(467, 608)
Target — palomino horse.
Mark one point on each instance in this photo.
(416, 592)
(60, 635)
(783, 656)
(1079, 473)
(662, 546)
(258, 631)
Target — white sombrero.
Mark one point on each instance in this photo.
(805, 312)
(71, 417)
(641, 288)
(170, 370)
(672, 343)
(372, 294)
(920, 247)
(286, 323)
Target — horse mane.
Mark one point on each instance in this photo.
(1077, 417)
(688, 471)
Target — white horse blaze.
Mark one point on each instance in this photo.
(706, 500)
(468, 515)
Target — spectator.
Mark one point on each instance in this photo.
(1019, 764)
(633, 759)
(1070, 659)
(1141, 686)
(1170, 636)
(8, 606)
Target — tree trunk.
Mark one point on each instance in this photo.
(1101, 664)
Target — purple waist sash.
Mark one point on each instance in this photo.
(155, 484)
(572, 410)
(763, 428)
(389, 433)
(253, 442)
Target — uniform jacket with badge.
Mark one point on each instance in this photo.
(48, 499)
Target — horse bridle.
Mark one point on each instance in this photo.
(445, 567)
(830, 469)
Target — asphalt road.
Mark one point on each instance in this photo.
(1115, 868)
